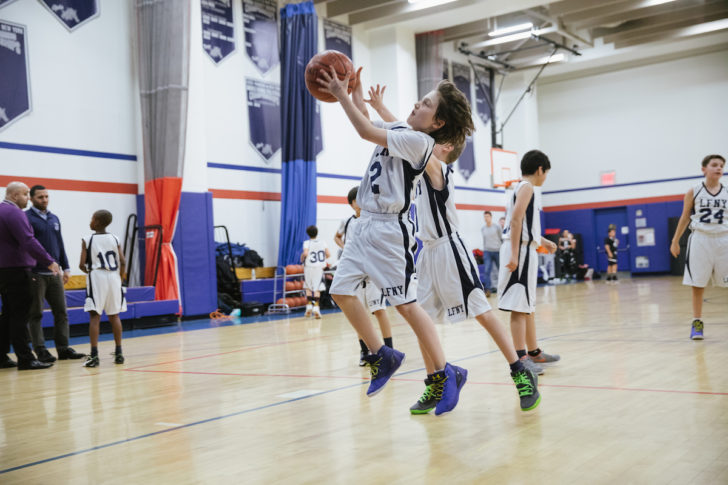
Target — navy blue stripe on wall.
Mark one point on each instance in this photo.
(66, 151)
(659, 181)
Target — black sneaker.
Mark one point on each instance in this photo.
(526, 384)
(426, 402)
(363, 358)
(45, 356)
(91, 361)
(118, 359)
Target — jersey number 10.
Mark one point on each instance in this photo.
(110, 259)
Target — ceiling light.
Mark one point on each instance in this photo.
(514, 37)
(551, 59)
(511, 29)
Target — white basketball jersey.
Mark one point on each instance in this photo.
(345, 228)
(388, 185)
(316, 257)
(102, 252)
(710, 211)
(436, 213)
(531, 230)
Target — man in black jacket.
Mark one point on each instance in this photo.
(45, 284)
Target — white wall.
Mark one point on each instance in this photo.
(83, 94)
(651, 122)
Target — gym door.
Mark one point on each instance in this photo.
(602, 219)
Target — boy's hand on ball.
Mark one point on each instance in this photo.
(332, 84)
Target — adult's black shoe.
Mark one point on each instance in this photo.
(6, 362)
(33, 365)
(45, 356)
(69, 353)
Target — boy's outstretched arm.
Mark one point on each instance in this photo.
(330, 83)
(548, 244)
(357, 96)
(682, 223)
(376, 100)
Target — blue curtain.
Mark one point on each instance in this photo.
(299, 42)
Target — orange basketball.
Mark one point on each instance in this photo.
(321, 61)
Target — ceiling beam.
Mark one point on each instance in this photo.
(622, 12)
(498, 41)
(674, 23)
(347, 7)
(678, 33)
(572, 6)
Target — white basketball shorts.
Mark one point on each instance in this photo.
(382, 249)
(448, 283)
(104, 292)
(372, 297)
(313, 278)
(706, 258)
(517, 289)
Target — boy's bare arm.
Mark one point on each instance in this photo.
(338, 240)
(331, 84)
(82, 264)
(122, 263)
(682, 223)
(519, 212)
(357, 96)
(548, 244)
(304, 255)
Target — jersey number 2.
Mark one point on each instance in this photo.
(377, 169)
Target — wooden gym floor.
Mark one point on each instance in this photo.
(633, 400)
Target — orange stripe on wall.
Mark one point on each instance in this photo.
(72, 185)
(332, 199)
(614, 203)
(245, 195)
(476, 207)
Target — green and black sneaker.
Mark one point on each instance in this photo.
(427, 401)
(526, 382)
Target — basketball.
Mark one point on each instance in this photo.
(322, 61)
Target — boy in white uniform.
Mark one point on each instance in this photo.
(103, 261)
(314, 256)
(370, 295)
(706, 208)
(383, 244)
(521, 237)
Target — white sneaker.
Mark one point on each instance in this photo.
(317, 313)
(309, 308)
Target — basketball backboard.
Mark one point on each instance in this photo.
(504, 167)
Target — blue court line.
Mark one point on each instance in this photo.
(259, 408)
(66, 151)
(644, 182)
(478, 189)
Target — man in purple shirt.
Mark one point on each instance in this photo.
(19, 252)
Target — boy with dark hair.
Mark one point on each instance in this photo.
(370, 295)
(705, 207)
(384, 237)
(522, 235)
(314, 256)
(103, 261)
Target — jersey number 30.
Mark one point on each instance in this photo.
(707, 214)
(317, 256)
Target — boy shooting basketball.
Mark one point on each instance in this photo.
(384, 237)
(103, 261)
(706, 209)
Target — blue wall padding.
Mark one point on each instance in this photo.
(260, 290)
(194, 245)
(656, 214)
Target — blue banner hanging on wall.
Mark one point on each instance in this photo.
(337, 37)
(264, 116)
(482, 89)
(218, 31)
(461, 78)
(261, 33)
(14, 81)
(72, 13)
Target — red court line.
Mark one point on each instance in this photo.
(563, 386)
(72, 185)
(614, 203)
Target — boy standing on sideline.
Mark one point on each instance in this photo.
(383, 245)
(103, 261)
(47, 285)
(706, 209)
(370, 295)
(522, 235)
(492, 240)
(314, 256)
(610, 247)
